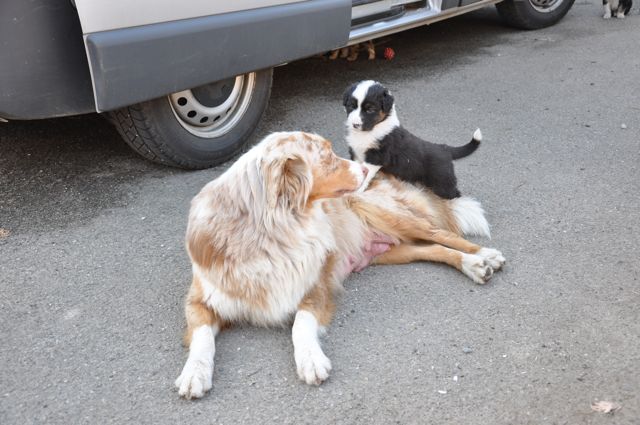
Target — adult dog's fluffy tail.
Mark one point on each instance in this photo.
(469, 216)
(458, 152)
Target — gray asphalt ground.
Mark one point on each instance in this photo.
(93, 273)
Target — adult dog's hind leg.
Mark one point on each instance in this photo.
(203, 324)
(474, 266)
(494, 257)
(314, 313)
(454, 241)
(415, 227)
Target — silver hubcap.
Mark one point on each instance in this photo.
(214, 109)
(545, 6)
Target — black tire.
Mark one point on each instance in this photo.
(157, 133)
(533, 14)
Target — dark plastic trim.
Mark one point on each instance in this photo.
(448, 4)
(142, 63)
(467, 2)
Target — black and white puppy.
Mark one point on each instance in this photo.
(619, 8)
(377, 139)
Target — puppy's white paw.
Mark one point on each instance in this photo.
(492, 256)
(313, 366)
(477, 268)
(607, 15)
(196, 379)
(620, 15)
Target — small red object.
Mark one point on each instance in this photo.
(389, 53)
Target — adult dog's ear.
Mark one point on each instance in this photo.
(288, 182)
(387, 101)
(296, 183)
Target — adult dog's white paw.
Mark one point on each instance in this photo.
(477, 268)
(607, 15)
(313, 366)
(492, 256)
(620, 15)
(196, 379)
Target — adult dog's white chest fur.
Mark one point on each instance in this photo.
(284, 277)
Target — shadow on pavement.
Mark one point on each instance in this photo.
(59, 171)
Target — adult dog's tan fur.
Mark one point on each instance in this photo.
(278, 232)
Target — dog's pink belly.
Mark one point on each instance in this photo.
(375, 244)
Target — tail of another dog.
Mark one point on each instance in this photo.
(466, 150)
(469, 216)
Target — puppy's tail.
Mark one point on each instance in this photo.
(469, 216)
(466, 150)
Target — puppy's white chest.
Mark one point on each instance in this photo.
(360, 143)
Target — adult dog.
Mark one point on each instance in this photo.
(276, 234)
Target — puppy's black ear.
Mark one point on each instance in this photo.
(387, 101)
(347, 94)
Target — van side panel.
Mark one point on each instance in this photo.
(43, 65)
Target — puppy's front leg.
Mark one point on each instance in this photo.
(607, 9)
(203, 325)
(373, 169)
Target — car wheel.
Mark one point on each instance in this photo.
(200, 127)
(533, 14)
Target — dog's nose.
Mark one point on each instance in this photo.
(365, 171)
(357, 126)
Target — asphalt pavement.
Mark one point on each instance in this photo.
(93, 271)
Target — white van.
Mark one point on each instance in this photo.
(186, 82)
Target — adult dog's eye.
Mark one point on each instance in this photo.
(370, 110)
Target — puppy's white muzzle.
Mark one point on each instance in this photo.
(354, 120)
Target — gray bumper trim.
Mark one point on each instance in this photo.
(141, 63)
